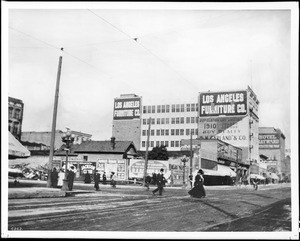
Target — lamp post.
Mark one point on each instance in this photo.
(184, 159)
(68, 139)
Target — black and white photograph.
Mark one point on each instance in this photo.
(150, 120)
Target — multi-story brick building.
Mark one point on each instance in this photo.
(15, 117)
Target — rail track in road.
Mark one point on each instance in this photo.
(137, 211)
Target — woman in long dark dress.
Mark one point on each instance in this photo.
(198, 189)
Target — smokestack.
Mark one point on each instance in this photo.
(113, 142)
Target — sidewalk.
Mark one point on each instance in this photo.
(38, 189)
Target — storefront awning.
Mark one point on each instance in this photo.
(252, 175)
(15, 148)
(274, 176)
(226, 171)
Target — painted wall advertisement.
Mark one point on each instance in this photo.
(127, 108)
(136, 167)
(269, 141)
(232, 103)
(229, 152)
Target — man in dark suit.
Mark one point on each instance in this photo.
(160, 181)
(97, 180)
(70, 178)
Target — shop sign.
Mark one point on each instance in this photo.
(127, 108)
(269, 141)
(87, 167)
(136, 168)
(233, 103)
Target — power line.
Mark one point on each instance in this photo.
(136, 40)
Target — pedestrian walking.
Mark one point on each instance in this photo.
(61, 176)
(112, 179)
(104, 178)
(255, 183)
(160, 181)
(70, 178)
(191, 180)
(147, 181)
(87, 178)
(54, 178)
(96, 180)
(198, 190)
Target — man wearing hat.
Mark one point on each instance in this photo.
(160, 181)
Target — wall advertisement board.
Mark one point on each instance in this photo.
(136, 167)
(116, 166)
(269, 141)
(233, 103)
(229, 152)
(127, 108)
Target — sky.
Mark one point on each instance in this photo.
(166, 54)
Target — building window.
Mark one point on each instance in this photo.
(157, 143)
(173, 120)
(181, 120)
(144, 121)
(144, 109)
(167, 132)
(158, 109)
(148, 121)
(197, 119)
(177, 120)
(172, 132)
(144, 132)
(173, 108)
(149, 109)
(182, 107)
(158, 132)
(162, 121)
(193, 107)
(153, 108)
(152, 121)
(152, 132)
(151, 143)
(166, 143)
(188, 107)
(177, 108)
(143, 144)
(197, 107)
(176, 143)
(162, 143)
(196, 131)
(172, 143)
(158, 121)
(167, 108)
(181, 132)
(162, 132)
(167, 120)
(163, 109)
(192, 119)
(10, 112)
(187, 132)
(192, 131)
(187, 120)
(177, 132)
(85, 158)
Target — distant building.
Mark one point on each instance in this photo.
(272, 145)
(15, 117)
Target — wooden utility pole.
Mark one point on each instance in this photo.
(54, 122)
(191, 155)
(146, 156)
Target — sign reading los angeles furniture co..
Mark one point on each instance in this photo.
(233, 103)
(269, 141)
(127, 108)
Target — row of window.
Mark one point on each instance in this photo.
(162, 143)
(173, 132)
(174, 120)
(167, 109)
(14, 113)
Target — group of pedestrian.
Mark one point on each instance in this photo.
(57, 178)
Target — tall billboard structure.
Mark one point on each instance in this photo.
(231, 116)
(127, 118)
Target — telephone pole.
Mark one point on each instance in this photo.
(146, 156)
(54, 121)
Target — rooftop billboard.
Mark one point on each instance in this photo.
(127, 108)
(218, 104)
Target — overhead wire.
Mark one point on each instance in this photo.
(136, 40)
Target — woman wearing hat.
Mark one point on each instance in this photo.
(198, 189)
